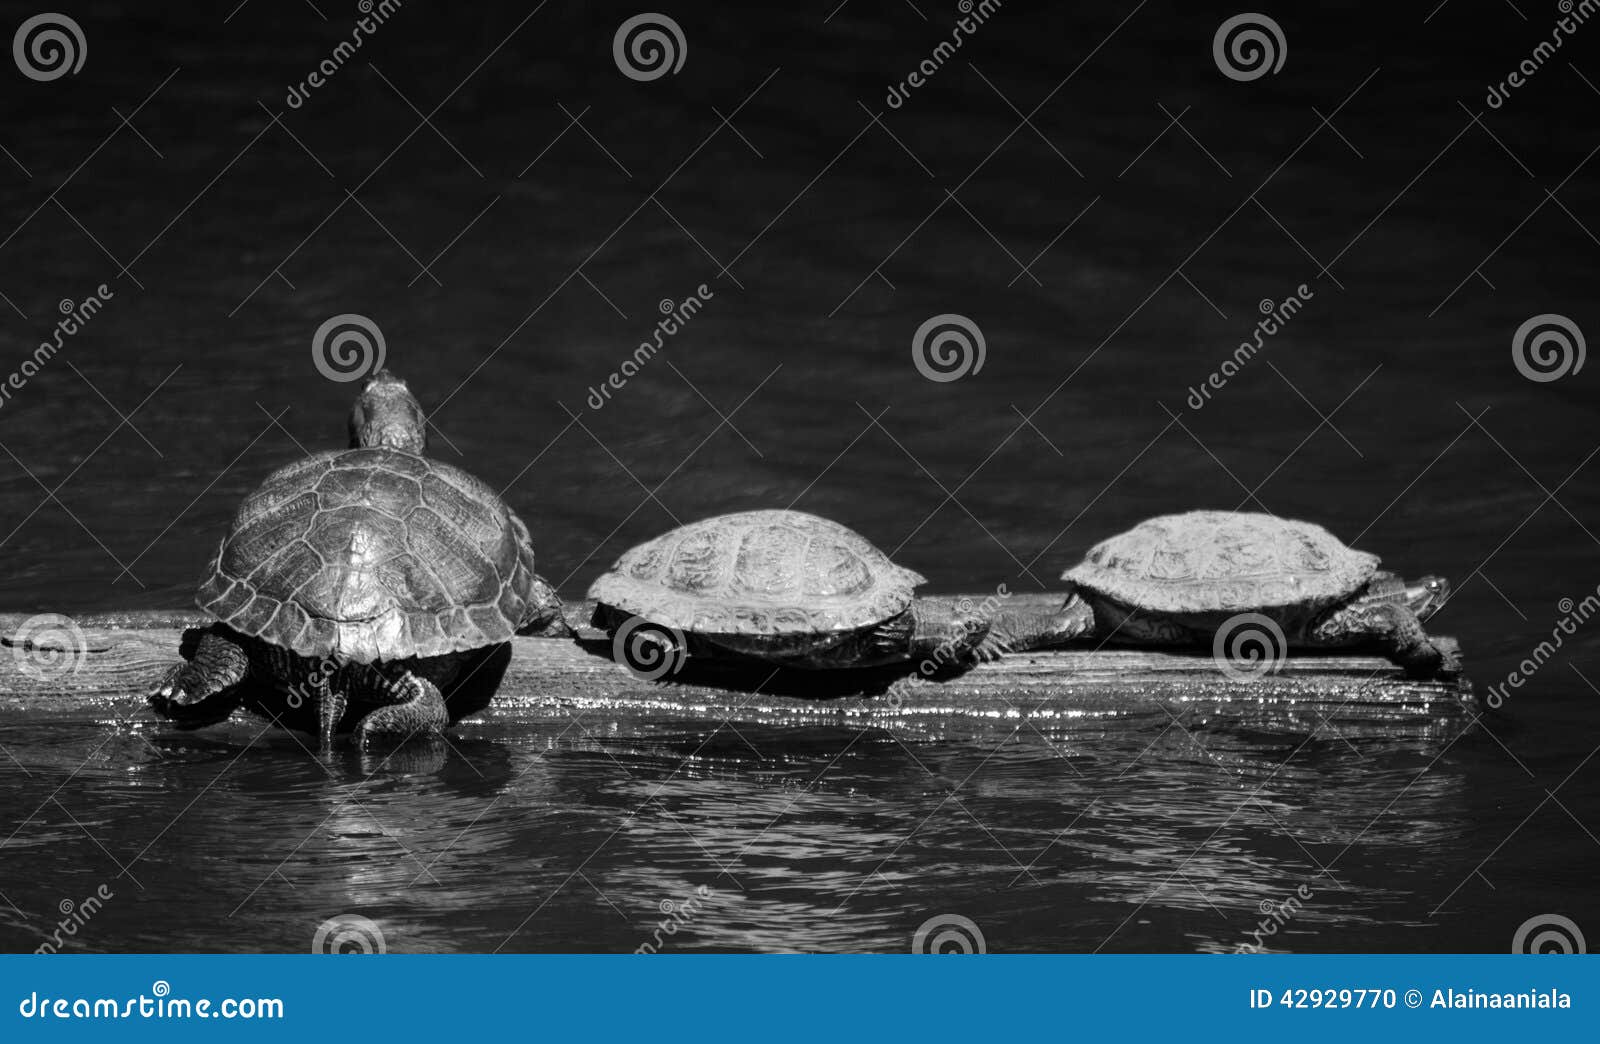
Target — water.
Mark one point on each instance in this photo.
(1118, 835)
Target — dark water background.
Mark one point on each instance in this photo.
(1425, 237)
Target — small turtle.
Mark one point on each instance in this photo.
(371, 580)
(783, 587)
(1179, 579)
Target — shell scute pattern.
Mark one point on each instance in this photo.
(696, 565)
(1206, 561)
(267, 534)
(759, 573)
(372, 554)
(770, 563)
(464, 509)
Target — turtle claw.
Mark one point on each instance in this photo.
(168, 698)
(174, 699)
(992, 648)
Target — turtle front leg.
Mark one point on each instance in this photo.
(1390, 626)
(207, 687)
(419, 708)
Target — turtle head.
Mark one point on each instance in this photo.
(1427, 595)
(387, 414)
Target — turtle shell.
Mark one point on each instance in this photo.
(759, 573)
(1223, 561)
(372, 554)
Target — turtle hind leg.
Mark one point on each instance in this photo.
(1013, 630)
(1392, 627)
(419, 709)
(207, 687)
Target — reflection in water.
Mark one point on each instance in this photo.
(596, 835)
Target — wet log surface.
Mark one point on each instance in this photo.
(103, 668)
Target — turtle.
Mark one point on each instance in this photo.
(787, 588)
(370, 588)
(1185, 578)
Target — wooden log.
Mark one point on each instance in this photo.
(103, 663)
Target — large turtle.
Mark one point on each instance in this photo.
(372, 585)
(1182, 579)
(783, 587)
